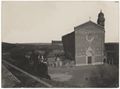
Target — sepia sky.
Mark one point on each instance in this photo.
(39, 21)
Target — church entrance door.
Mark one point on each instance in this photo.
(89, 59)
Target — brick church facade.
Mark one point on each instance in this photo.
(85, 45)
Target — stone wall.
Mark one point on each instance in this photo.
(69, 45)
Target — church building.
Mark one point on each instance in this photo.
(85, 45)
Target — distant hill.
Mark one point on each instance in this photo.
(34, 43)
(7, 46)
(31, 45)
(20, 49)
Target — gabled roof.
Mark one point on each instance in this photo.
(90, 23)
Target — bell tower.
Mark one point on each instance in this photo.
(101, 19)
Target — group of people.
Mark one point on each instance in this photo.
(38, 64)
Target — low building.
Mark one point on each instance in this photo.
(112, 53)
(55, 52)
(57, 42)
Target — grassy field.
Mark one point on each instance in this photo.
(87, 76)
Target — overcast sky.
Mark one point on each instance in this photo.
(45, 21)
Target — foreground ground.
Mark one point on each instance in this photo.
(78, 76)
(87, 76)
(12, 76)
